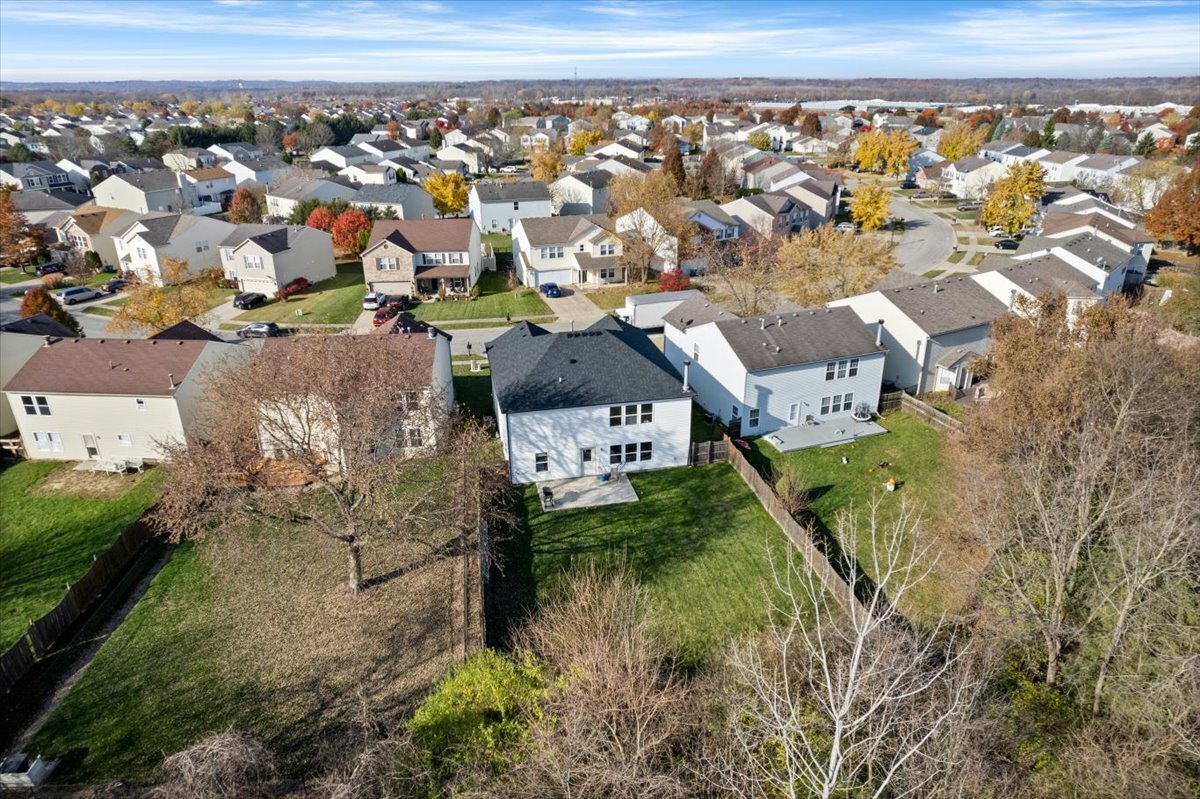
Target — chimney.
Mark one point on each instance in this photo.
(879, 333)
(171, 377)
(687, 366)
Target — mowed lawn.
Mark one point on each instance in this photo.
(473, 390)
(613, 297)
(11, 274)
(48, 538)
(697, 538)
(336, 301)
(495, 301)
(256, 632)
(915, 454)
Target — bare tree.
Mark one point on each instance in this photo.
(832, 703)
(745, 271)
(227, 765)
(654, 231)
(342, 435)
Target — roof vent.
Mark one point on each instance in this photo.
(100, 341)
(762, 323)
(560, 378)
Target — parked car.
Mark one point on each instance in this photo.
(77, 294)
(510, 169)
(550, 290)
(373, 300)
(968, 206)
(997, 232)
(844, 227)
(249, 299)
(398, 301)
(50, 269)
(260, 330)
(115, 285)
(1006, 244)
(384, 313)
(908, 184)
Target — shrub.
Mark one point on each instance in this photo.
(789, 487)
(54, 280)
(675, 280)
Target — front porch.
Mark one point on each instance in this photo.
(822, 434)
(585, 492)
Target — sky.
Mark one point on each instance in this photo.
(71, 40)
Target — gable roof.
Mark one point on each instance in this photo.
(791, 339)
(272, 238)
(96, 218)
(1085, 245)
(155, 180)
(163, 226)
(127, 367)
(1042, 275)
(490, 191)
(945, 306)
(387, 193)
(696, 311)
(608, 363)
(424, 235)
(547, 230)
(592, 178)
(186, 331)
(37, 325)
(415, 352)
(208, 173)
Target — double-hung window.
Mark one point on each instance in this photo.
(830, 370)
(35, 406)
(825, 405)
(631, 414)
(541, 462)
(846, 400)
(608, 249)
(48, 442)
(753, 418)
(388, 264)
(645, 450)
(252, 261)
(647, 412)
(853, 371)
(124, 440)
(614, 416)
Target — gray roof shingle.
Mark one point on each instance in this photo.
(955, 304)
(790, 339)
(491, 191)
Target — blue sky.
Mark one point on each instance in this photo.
(46, 40)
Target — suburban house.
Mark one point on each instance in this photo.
(146, 192)
(782, 370)
(144, 248)
(1111, 266)
(581, 193)
(211, 185)
(19, 340)
(256, 171)
(79, 399)
(1011, 280)
(96, 228)
(369, 174)
(474, 159)
(570, 250)
(291, 190)
(933, 330)
(819, 198)
(613, 149)
(586, 402)
(498, 206)
(48, 208)
(771, 214)
(422, 257)
(340, 157)
(85, 171)
(36, 175)
(407, 200)
(236, 151)
(1059, 166)
(970, 178)
(189, 158)
(265, 258)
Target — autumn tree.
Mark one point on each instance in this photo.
(960, 140)
(759, 140)
(928, 118)
(316, 135)
(676, 280)
(38, 301)
(1176, 215)
(583, 140)
(1014, 198)
(672, 165)
(811, 125)
(789, 115)
(20, 242)
(694, 134)
(871, 152)
(821, 265)
(150, 309)
(348, 229)
(245, 207)
(1141, 186)
(494, 117)
(321, 218)
(291, 141)
(435, 139)
(393, 129)
(870, 206)
(313, 412)
(546, 166)
(449, 193)
(654, 230)
(745, 271)
(898, 148)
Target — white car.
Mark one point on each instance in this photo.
(374, 300)
(997, 232)
(844, 227)
(77, 294)
(510, 169)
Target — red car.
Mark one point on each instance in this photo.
(384, 314)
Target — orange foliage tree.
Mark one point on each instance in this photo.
(321, 218)
(348, 228)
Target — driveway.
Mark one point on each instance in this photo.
(927, 240)
(574, 306)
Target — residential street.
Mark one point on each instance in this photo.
(10, 310)
(927, 240)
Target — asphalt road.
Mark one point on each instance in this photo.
(927, 241)
(10, 311)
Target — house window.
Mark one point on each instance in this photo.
(541, 462)
(846, 400)
(614, 416)
(696, 353)
(229, 255)
(35, 406)
(48, 442)
(753, 420)
(202, 246)
(140, 403)
(830, 369)
(608, 274)
(123, 440)
(614, 455)
(252, 261)
(645, 450)
(516, 206)
(458, 284)
(841, 369)
(387, 264)
(825, 404)
(631, 453)
(853, 367)
(794, 412)
(413, 437)
(608, 249)
(141, 253)
(631, 414)
(736, 413)
(456, 257)
(552, 252)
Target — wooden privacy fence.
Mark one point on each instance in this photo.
(930, 414)
(800, 537)
(890, 400)
(44, 633)
(705, 452)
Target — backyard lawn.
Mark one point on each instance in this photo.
(502, 247)
(613, 297)
(473, 390)
(336, 301)
(11, 274)
(697, 539)
(495, 301)
(52, 521)
(914, 452)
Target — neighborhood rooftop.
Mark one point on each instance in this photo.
(127, 367)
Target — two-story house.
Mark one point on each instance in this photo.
(189, 158)
(782, 370)
(146, 192)
(577, 193)
(144, 248)
(35, 175)
(586, 402)
(236, 151)
(256, 171)
(340, 157)
(212, 186)
(970, 178)
(289, 191)
(265, 258)
(770, 214)
(406, 200)
(96, 228)
(498, 206)
(570, 250)
(422, 257)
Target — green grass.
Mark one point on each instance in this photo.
(494, 302)
(473, 390)
(537, 320)
(976, 259)
(915, 454)
(956, 256)
(697, 539)
(1182, 311)
(100, 310)
(334, 301)
(609, 299)
(932, 273)
(501, 246)
(48, 541)
(10, 275)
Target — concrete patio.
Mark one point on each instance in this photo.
(587, 492)
(823, 434)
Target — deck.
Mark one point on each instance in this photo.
(587, 492)
(827, 434)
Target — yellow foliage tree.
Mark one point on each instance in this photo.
(583, 140)
(871, 153)
(546, 166)
(869, 207)
(449, 193)
(821, 265)
(961, 140)
(899, 148)
(151, 309)
(1014, 199)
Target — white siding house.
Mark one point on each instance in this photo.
(498, 206)
(265, 258)
(144, 248)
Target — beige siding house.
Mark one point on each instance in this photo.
(422, 257)
(96, 228)
(144, 248)
(146, 192)
(265, 258)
